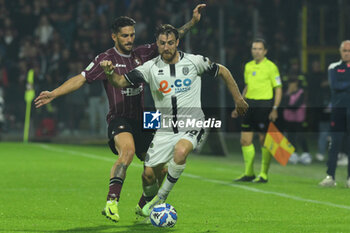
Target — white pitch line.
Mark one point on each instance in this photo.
(83, 154)
(93, 156)
(267, 192)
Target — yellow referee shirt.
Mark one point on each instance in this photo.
(261, 79)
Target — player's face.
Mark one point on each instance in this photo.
(124, 39)
(258, 51)
(167, 46)
(345, 52)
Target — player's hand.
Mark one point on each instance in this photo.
(45, 97)
(241, 107)
(107, 66)
(196, 16)
(234, 114)
(273, 115)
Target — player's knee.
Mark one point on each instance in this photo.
(180, 154)
(148, 176)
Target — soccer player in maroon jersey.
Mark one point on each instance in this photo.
(125, 104)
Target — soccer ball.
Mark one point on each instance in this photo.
(163, 215)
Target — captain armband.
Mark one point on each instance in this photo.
(213, 70)
(134, 77)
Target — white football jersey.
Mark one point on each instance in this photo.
(176, 88)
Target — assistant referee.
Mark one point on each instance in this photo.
(263, 93)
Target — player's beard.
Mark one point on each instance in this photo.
(124, 49)
(168, 56)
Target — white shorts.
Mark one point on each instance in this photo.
(161, 149)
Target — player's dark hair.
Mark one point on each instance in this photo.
(260, 40)
(166, 29)
(120, 22)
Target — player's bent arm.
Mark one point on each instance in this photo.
(230, 82)
(241, 105)
(117, 80)
(196, 16)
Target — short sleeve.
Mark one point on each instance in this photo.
(146, 52)
(275, 76)
(140, 74)
(94, 71)
(205, 66)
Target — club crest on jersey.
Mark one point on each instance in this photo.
(179, 85)
(137, 61)
(254, 73)
(185, 70)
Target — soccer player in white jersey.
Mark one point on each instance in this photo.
(175, 83)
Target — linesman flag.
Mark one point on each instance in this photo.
(278, 145)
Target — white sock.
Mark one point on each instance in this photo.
(174, 173)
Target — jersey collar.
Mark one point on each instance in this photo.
(263, 61)
(120, 54)
(181, 55)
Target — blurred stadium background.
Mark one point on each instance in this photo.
(46, 36)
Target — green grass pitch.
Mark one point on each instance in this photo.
(62, 188)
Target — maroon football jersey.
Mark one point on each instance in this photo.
(123, 102)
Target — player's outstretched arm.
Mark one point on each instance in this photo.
(196, 16)
(68, 86)
(115, 79)
(241, 105)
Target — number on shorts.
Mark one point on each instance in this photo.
(193, 132)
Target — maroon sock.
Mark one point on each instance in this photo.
(142, 201)
(115, 187)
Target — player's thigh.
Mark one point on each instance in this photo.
(161, 149)
(194, 136)
(124, 143)
(123, 128)
(143, 140)
(338, 120)
(247, 119)
(182, 148)
(188, 141)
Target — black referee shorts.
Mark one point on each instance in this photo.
(142, 138)
(257, 117)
